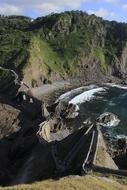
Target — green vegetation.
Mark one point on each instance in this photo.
(73, 183)
(58, 42)
(100, 55)
(50, 58)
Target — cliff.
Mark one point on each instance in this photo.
(64, 45)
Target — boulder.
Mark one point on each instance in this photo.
(45, 112)
(49, 127)
(61, 109)
(72, 111)
(65, 110)
(108, 120)
(87, 122)
(44, 132)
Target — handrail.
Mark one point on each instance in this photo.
(62, 165)
(15, 74)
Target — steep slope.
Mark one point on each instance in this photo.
(7, 82)
(64, 45)
(13, 41)
(42, 64)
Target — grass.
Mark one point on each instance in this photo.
(41, 61)
(50, 57)
(75, 183)
(98, 53)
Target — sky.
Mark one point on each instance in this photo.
(107, 9)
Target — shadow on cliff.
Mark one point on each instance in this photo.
(16, 147)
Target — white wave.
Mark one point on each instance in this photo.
(111, 103)
(66, 96)
(86, 96)
(116, 85)
(121, 137)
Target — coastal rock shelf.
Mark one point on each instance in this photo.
(50, 141)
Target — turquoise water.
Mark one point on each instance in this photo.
(112, 100)
(95, 100)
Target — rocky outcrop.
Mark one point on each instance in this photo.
(17, 140)
(108, 120)
(103, 159)
(9, 120)
(92, 47)
(32, 151)
(55, 127)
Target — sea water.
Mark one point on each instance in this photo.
(95, 100)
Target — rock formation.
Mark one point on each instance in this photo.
(9, 120)
(108, 120)
(32, 151)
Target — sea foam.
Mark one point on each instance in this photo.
(86, 96)
(68, 95)
(116, 85)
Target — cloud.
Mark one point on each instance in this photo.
(103, 13)
(7, 9)
(42, 7)
(56, 5)
(124, 6)
(39, 6)
(111, 1)
(105, 1)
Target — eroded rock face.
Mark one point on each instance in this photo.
(53, 130)
(23, 158)
(17, 139)
(103, 158)
(9, 122)
(72, 111)
(44, 132)
(49, 129)
(55, 127)
(108, 120)
(65, 110)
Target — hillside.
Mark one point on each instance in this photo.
(75, 183)
(60, 46)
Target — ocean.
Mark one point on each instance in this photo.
(94, 100)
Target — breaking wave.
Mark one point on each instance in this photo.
(86, 96)
(116, 85)
(69, 95)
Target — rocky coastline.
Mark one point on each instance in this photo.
(29, 130)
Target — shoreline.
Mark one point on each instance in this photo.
(48, 93)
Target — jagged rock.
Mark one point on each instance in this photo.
(65, 110)
(122, 143)
(87, 122)
(121, 154)
(9, 121)
(51, 126)
(103, 159)
(108, 120)
(71, 112)
(45, 112)
(44, 131)
(61, 108)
